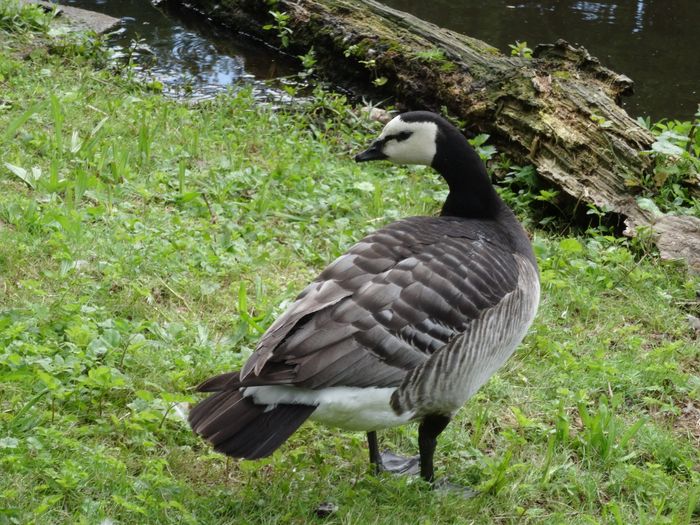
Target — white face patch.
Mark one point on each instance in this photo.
(409, 142)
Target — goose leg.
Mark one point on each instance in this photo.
(428, 431)
(374, 456)
(388, 461)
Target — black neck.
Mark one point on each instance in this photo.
(471, 192)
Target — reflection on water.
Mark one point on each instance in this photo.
(186, 53)
(591, 11)
(654, 42)
(607, 12)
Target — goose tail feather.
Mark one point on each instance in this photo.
(239, 428)
(227, 381)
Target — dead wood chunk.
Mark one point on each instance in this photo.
(678, 237)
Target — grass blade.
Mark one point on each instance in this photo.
(630, 432)
(28, 405)
(19, 121)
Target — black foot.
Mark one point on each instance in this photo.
(445, 487)
(390, 462)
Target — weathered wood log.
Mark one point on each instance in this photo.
(557, 110)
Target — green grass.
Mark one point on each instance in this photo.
(21, 17)
(146, 243)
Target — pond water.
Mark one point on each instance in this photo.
(189, 55)
(654, 42)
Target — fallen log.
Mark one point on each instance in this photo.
(557, 110)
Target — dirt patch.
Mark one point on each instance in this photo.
(689, 420)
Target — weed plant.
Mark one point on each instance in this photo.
(145, 244)
(675, 183)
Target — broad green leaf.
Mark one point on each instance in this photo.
(570, 245)
(21, 174)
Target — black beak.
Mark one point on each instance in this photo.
(374, 152)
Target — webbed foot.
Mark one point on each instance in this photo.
(444, 486)
(388, 461)
(400, 465)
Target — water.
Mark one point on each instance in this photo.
(654, 42)
(189, 55)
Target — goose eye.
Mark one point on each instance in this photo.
(399, 137)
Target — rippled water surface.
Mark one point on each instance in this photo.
(654, 42)
(186, 53)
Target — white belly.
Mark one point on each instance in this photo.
(350, 408)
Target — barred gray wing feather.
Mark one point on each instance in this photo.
(452, 374)
(387, 305)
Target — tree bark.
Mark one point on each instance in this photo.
(557, 110)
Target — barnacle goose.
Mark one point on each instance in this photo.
(405, 326)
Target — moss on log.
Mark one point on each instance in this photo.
(557, 110)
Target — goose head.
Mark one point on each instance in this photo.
(409, 138)
(421, 137)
